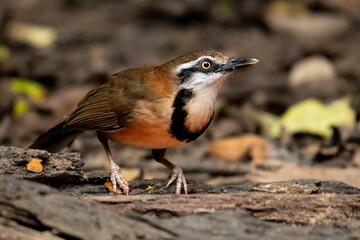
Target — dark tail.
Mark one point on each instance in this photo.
(55, 139)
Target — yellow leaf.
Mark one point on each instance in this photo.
(307, 117)
(25, 86)
(152, 187)
(312, 116)
(35, 35)
(4, 53)
(35, 165)
(20, 107)
(271, 123)
(340, 112)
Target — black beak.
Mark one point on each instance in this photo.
(235, 63)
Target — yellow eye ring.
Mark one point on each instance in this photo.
(206, 65)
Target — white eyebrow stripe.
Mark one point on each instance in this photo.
(192, 63)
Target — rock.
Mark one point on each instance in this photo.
(304, 209)
(314, 76)
(37, 206)
(59, 168)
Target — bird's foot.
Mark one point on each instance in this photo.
(118, 180)
(178, 175)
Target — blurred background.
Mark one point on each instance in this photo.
(293, 115)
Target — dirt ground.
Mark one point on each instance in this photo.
(308, 49)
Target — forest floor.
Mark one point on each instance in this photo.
(249, 176)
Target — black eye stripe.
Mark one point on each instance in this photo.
(186, 73)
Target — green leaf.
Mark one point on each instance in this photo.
(28, 87)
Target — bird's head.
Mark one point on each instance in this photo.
(196, 78)
(201, 69)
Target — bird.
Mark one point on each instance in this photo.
(150, 107)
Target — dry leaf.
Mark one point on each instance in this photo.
(35, 35)
(152, 187)
(109, 187)
(232, 149)
(35, 165)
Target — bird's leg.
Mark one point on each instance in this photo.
(115, 175)
(176, 172)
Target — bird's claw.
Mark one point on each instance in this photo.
(178, 175)
(118, 180)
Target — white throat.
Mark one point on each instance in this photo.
(201, 106)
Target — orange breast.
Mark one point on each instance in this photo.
(149, 127)
(144, 135)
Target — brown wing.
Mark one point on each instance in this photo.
(109, 106)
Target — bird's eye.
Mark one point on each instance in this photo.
(206, 65)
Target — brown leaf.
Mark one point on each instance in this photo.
(232, 149)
